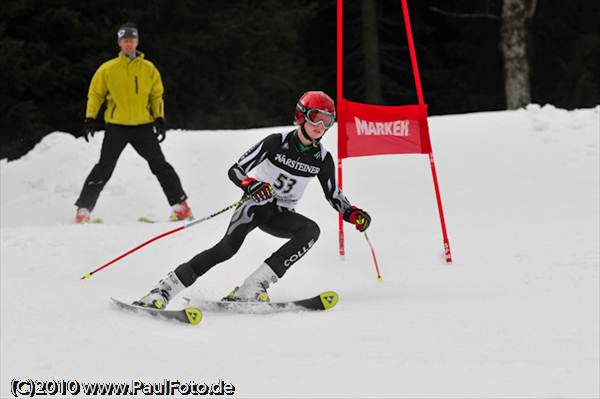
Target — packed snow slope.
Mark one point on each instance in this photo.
(517, 314)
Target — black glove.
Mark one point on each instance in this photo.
(160, 129)
(358, 218)
(88, 129)
(258, 190)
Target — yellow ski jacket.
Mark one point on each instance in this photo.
(132, 89)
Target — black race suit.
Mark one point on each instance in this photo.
(278, 160)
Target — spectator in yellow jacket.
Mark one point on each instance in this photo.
(132, 88)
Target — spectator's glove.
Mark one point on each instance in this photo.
(160, 129)
(358, 218)
(258, 190)
(88, 129)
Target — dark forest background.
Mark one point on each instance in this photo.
(244, 63)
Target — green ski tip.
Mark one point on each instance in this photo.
(194, 315)
(329, 299)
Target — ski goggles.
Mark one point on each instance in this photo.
(318, 117)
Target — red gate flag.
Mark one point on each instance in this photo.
(375, 130)
(365, 129)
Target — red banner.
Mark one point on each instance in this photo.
(365, 129)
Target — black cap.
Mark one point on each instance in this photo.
(127, 31)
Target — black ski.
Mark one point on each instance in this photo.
(323, 301)
(189, 315)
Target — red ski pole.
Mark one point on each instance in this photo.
(379, 276)
(185, 226)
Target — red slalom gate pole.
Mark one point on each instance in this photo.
(340, 126)
(438, 198)
(185, 226)
(415, 68)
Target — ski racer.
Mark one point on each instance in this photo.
(282, 164)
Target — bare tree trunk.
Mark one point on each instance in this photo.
(370, 40)
(513, 37)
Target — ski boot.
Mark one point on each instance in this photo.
(181, 211)
(254, 288)
(162, 293)
(82, 216)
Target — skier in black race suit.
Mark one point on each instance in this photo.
(282, 165)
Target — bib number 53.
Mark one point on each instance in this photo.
(284, 183)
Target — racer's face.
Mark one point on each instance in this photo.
(314, 131)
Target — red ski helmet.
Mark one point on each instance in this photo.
(315, 107)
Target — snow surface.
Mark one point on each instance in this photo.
(518, 313)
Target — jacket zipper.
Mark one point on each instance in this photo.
(136, 85)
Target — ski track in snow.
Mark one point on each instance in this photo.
(516, 315)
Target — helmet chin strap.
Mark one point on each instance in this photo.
(313, 142)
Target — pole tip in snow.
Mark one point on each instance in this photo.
(87, 275)
(380, 279)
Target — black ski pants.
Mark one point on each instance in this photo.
(144, 141)
(280, 222)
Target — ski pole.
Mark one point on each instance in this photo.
(379, 276)
(185, 226)
(361, 221)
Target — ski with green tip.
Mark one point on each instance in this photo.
(324, 301)
(92, 221)
(144, 219)
(189, 315)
